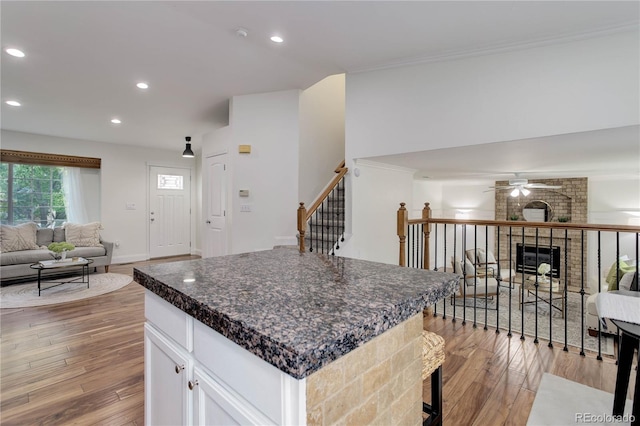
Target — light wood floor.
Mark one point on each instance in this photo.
(82, 363)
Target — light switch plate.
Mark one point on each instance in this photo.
(245, 207)
(130, 206)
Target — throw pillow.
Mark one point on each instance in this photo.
(627, 281)
(474, 255)
(616, 273)
(486, 257)
(20, 237)
(83, 235)
(469, 268)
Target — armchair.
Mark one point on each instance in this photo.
(485, 260)
(483, 283)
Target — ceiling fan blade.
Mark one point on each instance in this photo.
(541, 186)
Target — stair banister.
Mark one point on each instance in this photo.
(305, 214)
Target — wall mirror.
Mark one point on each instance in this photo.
(537, 211)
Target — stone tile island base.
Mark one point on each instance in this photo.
(379, 383)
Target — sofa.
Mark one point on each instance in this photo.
(25, 244)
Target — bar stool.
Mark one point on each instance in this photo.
(432, 359)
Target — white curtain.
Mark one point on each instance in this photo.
(74, 188)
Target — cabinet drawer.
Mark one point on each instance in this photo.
(173, 322)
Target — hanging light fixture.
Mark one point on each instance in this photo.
(187, 151)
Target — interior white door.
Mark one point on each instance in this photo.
(216, 206)
(169, 211)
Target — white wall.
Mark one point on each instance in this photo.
(124, 176)
(377, 193)
(269, 122)
(571, 87)
(321, 135)
(613, 201)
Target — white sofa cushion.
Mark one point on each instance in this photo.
(87, 235)
(17, 238)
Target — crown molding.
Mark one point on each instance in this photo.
(502, 48)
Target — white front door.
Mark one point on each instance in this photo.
(169, 211)
(216, 206)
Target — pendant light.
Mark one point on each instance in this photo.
(187, 151)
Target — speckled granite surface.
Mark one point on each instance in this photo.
(296, 311)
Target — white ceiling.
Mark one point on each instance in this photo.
(84, 57)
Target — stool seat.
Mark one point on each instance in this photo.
(432, 360)
(432, 353)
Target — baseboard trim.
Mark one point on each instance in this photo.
(116, 260)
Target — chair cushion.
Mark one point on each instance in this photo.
(17, 238)
(433, 354)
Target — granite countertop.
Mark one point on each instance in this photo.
(297, 311)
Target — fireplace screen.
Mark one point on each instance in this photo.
(529, 257)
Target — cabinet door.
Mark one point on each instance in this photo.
(214, 405)
(166, 374)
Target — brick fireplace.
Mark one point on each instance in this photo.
(570, 202)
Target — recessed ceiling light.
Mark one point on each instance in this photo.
(277, 39)
(13, 103)
(115, 121)
(15, 52)
(142, 85)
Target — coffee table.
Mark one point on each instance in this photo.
(549, 290)
(63, 266)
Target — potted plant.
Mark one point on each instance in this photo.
(514, 216)
(563, 219)
(59, 250)
(543, 270)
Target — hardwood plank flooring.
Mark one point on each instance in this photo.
(83, 363)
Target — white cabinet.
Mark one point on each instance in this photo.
(195, 376)
(166, 371)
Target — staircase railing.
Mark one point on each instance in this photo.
(325, 217)
(439, 244)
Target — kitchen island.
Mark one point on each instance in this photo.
(282, 337)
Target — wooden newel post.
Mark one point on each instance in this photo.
(403, 223)
(302, 225)
(426, 214)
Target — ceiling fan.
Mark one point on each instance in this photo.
(522, 186)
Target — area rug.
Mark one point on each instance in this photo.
(563, 402)
(575, 329)
(26, 294)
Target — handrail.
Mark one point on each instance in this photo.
(305, 214)
(404, 222)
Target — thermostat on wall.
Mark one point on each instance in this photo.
(244, 149)
(244, 192)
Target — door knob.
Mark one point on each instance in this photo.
(192, 384)
(152, 219)
(208, 222)
(179, 368)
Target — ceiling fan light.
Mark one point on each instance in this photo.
(525, 191)
(515, 192)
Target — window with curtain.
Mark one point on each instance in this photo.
(48, 189)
